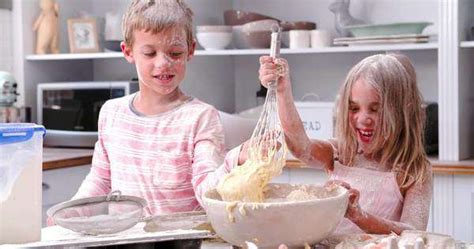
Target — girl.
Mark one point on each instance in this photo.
(377, 152)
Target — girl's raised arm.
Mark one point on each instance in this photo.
(316, 153)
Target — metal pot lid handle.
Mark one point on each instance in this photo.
(114, 196)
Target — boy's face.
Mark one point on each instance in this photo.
(364, 113)
(160, 59)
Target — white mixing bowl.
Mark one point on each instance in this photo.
(278, 222)
(214, 40)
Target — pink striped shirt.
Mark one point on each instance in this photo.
(169, 159)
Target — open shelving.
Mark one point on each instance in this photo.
(467, 44)
(335, 49)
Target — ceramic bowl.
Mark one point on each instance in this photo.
(214, 40)
(239, 17)
(285, 39)
(213, 28)
(388, 29)
(261, 25)
(258, 39)
(238, 39)
(302, 25)
(270, 224)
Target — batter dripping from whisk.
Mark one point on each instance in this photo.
(266, 153)
(247, 182)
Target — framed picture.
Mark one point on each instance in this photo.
(82, 35)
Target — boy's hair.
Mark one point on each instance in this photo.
(156, 16)
(399, 138)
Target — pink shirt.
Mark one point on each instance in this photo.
(169, 159)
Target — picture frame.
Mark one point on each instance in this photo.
(83, 36)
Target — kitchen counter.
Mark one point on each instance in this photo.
(464, 167)
(54, 158)
(58, 237)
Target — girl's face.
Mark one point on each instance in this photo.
(160, 59)
(364, 113)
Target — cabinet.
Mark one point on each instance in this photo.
(60, 185)
(228, 79)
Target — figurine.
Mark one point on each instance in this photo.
(46, 27)
(113, 26)
(343, 18)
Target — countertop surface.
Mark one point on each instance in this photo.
(58, 237)
(54, 158)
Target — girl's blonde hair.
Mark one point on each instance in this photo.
(399, 139)
(156, 16)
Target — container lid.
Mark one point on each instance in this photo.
(18, 132)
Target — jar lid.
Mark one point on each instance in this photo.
(18, 132)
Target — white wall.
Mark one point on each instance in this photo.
(6, 41)
(322, 74)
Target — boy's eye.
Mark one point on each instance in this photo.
(176, 54)
(149, 53)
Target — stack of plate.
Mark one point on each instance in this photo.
(386, 39)
(391, 33)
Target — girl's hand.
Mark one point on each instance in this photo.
(354, 212)
(274, 70)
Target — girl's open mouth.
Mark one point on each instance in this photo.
(365, 136)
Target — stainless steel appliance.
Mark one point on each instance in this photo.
(70, 110)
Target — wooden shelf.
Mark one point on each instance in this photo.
(68, 56)
(339, 49)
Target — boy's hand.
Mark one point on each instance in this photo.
(243, 154)
(274, 70)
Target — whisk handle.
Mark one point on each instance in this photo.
(275, 48)
(275, 42)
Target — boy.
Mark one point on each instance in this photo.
(158, 144)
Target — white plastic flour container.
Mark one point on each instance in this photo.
(21, 156)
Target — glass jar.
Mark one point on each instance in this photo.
(10, 114)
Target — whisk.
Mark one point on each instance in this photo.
(267, 143)
(266, 152)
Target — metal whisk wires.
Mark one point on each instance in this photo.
(267, 142)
